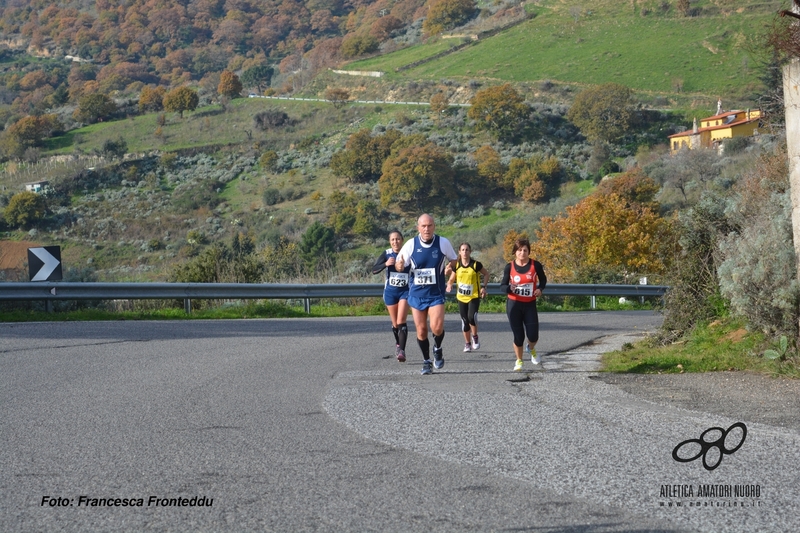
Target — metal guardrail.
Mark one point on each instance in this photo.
(52, 291)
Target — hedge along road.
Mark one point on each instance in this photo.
(311, 425)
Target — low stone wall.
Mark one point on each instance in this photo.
(370, 73)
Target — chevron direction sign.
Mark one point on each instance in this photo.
(44, 264)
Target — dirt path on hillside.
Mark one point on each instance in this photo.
(14, 254)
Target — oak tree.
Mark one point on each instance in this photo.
(417, 174)
(25, 209)
(229, 84)
(151, 99)
(32, 130)
(94, 107)
(382, 28)
(490, 166)
(363, 156)
(181, 99)
(257, 76)
(500, 109)
(447, 14)
(337, 96)
(439, 103)
(604, 112)
(634, 186)
(357, 45)
(603, 238)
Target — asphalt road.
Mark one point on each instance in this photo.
(311, 425)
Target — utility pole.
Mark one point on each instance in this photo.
(791, 102)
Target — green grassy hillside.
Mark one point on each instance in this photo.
(137, 219)
(635, 43)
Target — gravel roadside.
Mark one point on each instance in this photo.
(744, 396)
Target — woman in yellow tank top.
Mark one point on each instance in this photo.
(470, 289)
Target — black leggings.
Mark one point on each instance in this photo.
(469, 312)
(523, 317)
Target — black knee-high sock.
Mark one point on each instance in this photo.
(396, 337)
(437, 340)
(402, 335)
(425, 346)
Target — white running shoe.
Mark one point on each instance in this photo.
(534, 355)
(518, 366)
(475, 343)
(467, 347)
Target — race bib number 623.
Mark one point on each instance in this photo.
(398, 279)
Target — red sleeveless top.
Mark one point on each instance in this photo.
(526, 283)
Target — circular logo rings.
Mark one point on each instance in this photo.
(706, 446)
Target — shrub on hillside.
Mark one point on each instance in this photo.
(357, 45)
(758, 274)
(363, 155)
(268, 159)
(25, 209)
(317, 247)
(236, 262)
(94, 107)
(115, 148)
(758, 268)
(195, 195)
(604, 112)
(448, 14)
(281, 261)
(417, 174)
(694, 294)
(271, 119)
(501, 110)
(29, 132)
(271, 196)
(736, 145)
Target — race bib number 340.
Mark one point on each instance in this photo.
(425, 276)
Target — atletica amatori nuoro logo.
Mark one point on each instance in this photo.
(734, 436)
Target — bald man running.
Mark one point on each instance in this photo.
(428, 254)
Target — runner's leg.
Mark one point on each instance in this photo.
(402, 325)
(421, 324)
(463, 310)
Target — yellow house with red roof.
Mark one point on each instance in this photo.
(713, 130)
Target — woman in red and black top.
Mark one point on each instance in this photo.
(523, 281)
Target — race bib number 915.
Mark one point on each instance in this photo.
(525, 290)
